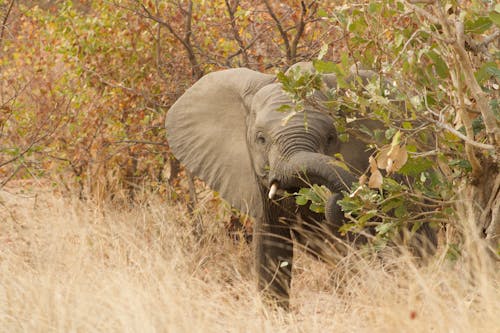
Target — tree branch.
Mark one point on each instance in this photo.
(185, 40)
(300, 30)
(279, 26)
(242, 48)
(459, 134)
(4, 22)
(431, 18)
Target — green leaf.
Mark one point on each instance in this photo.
(384, 228)
(374, 7)
(478, 125)
(346, 227)
(325, 66)
(400, 211)
(391, 185)
(344, 137)
(495, 107)
(486, 70)
(462, 164)
(479, 26)
(416, 226)
(493, 70)
(495, 17)
(407, 125)
(415, 165)
(365, 217)
(284, 108)
(439, 64)
(317, 208)
(358, 26)
(391, 204)
(322, 13)
(322, 51)
(349, 204)
(300, 200)
(390, 133)
(398, 40)
(340, 164)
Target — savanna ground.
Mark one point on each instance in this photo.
(73, 266)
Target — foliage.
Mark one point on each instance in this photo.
(84, 86)
(437, 94)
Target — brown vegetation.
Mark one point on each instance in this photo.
(71, 266)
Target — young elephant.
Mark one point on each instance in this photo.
(226, 130)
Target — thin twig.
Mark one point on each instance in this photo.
(279, 26)
(139, 142)
(433, 19)
(459, 134)
(231, 9)
(4, 22)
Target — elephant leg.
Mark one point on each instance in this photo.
(274, 257)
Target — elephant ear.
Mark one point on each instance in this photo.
(207, 131)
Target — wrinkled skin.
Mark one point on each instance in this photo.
(226, 130)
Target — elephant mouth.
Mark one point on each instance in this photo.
(275, 189)
(305, 168)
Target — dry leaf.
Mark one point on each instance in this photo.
(397, 157)
(373, 164)
(363, 179)
(375, 179)
(382, 157)
(392, 158)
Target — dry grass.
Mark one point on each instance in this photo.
(71, 266)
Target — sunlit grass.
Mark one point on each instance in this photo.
(66, 265)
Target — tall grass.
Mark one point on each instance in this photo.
(70, 266)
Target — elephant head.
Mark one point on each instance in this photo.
(227, 131)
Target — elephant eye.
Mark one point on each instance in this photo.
(261, 139)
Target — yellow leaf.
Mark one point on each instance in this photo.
(396, 139)
(340, 164)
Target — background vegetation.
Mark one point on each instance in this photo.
(84, 89)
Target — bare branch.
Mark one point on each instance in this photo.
(433, 19)
(184, 40)
(300, 30)
(425, 2)
(491, 38)
(458, 133)
(242, 48)
(470, 81)
(280, 28)
(482, 47)
(6, 17)
(139, 142)
(469, 150)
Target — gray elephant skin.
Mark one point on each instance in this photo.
(227, 131)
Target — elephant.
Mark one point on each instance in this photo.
(226, 129)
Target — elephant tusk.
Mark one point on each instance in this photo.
(273, 190)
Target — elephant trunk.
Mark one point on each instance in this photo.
(304, 168)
